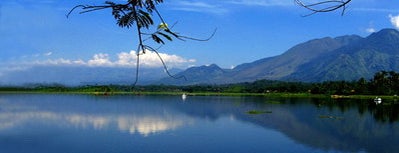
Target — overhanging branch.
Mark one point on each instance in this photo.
(324, 6)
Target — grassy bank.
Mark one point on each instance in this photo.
(167, 93)
(170, 90)
(283, 95)
(364, 97)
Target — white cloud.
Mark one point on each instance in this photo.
(48, 53)
(60, 61)
(124, 59)
(100, 60)
(151, 59)
(370, 30)
(394, 20)
(127, 59)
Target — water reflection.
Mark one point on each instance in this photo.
(14, 115)
(384, 112)
(312, 125)
(346, 125)
(133, 124)
(147, 125)
(330, 125)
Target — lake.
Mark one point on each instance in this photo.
(58, 123)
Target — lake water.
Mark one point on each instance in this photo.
(41, 123)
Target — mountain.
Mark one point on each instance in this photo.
(377, 52)
(347, 57)
(284, 65)
(75, 75)
(211, 74)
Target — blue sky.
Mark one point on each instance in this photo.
(37, 32)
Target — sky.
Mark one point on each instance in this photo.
(38, 33)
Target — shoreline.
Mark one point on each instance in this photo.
(283, 95)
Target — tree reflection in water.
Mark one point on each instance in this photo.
(385, 112)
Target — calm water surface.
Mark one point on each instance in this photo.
(40, 123)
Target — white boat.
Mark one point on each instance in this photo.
(377, 100)
(184, 96)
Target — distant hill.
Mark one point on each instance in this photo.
(75, 75)
(211, 74)
(342, 58)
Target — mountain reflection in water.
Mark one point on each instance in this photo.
(322, 124)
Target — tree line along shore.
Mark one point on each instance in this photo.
(383, 83)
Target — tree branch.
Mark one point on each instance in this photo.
(164, 65)
(324, 6)
(138, 13)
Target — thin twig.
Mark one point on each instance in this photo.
(87, 8)
(164, 65)
(137, 70)
(335, 4)
(197, 39)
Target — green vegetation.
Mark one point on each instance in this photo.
(274, 102)
(256, 112)
(330, 117)
(384, 84)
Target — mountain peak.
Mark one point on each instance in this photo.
(212, 66)
(385, 40)
(385, 33)
(389, 30)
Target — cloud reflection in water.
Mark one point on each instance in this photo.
(13, 115)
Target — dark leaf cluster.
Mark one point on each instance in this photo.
(135, 13)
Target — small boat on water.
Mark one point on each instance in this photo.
(184, 96)
(377, 100)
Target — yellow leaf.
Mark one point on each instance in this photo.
(162, 26)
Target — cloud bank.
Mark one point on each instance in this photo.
(150, 60)
(120, 60)
(123, 59)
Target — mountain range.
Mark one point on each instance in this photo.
(349, 57)
(82, 75)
